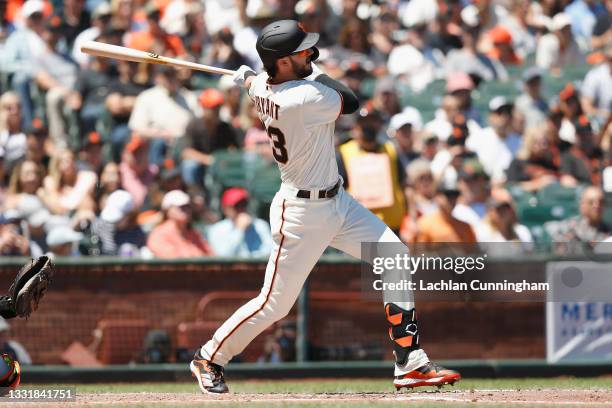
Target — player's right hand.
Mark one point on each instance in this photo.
(242, 74)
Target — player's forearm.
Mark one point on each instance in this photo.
(350, 102)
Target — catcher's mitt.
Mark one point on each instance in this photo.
(30, 285)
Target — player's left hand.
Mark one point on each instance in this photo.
(242, 74)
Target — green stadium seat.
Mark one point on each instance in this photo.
(228, 170)
(554, 193)
(264, 182)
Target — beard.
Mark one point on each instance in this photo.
(301, 71)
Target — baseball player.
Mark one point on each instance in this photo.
(298, 105)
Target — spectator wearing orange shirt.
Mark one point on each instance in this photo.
(176, 237)
(441, 226)
(154, 38)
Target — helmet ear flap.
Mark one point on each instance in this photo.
(315, 54)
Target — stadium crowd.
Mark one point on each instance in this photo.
(481, 121)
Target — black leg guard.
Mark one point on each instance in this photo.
(403, 331)
(7, 307)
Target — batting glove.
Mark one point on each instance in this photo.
(242, 74)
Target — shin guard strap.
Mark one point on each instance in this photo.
(403, 331)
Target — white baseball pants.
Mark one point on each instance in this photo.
(301, 230)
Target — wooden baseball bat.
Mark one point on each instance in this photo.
(130, 54)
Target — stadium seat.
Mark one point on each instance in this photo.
(264, 182)
(228, 170)
(122, 340)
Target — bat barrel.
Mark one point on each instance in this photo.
(129, 54)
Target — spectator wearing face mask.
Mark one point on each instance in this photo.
(372, 171)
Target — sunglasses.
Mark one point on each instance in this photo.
(303, 53)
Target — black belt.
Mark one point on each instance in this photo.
(322, 193)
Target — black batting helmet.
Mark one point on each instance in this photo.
(283, 38)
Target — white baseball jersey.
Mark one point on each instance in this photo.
(299, 117)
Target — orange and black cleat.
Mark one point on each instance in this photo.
(209, 375)
(430, 374)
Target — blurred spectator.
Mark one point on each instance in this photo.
(457, 102)
(239, 234)
(155, 39)
(21, 51)
(497, 144)
(256, 16)
(36, 143)
(475, 190)
(440, 225)
(280, 346)
(448, 161)
(602, 32)
(569, 104)
(256, 138)
(318, 17)
(91, 156)
(116, 227)
(12, 137)
(74, 20)
(137, 174)
(123, 16)
(100, 22)
(175, 237)
(120, 102)
(517, 23)
(176, 14)
(222, 53)
(354, 43)
(468, 58)
(162, 113)
(26, 180)
(66, 188)
(597, 89)
(531, 104)
(500, 224)
(230, 111)
(12, 347)
(354, 75)
(62, 240)
(380, 189)
(503, 50)
(586, 228)
(536, 165)
(558, 49)
(460, 85)
(386, 99)
(582, 159)
(110, 181)
(90, 91)
(204, 136)
(56, 74)
(404, 128)
(12, 240)
(583, 16)
(420, 195)
(415, 61)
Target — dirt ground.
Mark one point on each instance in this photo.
(449, 397)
